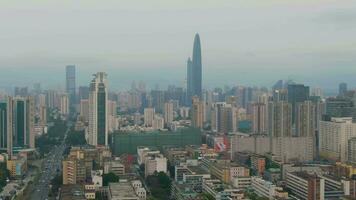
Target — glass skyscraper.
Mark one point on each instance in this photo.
(194, 72)
(70, 84)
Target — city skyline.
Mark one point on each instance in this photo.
(289, 47)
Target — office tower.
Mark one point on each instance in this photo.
(70, 84)
(342, 89)
(246, 96)
(194, 71)
(279, 85)
(197, 113)
(224, 117)
(158, 100)
(6, 125)
(280, 95)
(340, 107)
(98, 98)
(168, 112)
(83, 93)
(279, 119)
(305, 122)
(64, 104)
(259, 118)
(297, 93)
(21, 91)
(334, 136)
(23, 122)
(84, 109)
(149, 114)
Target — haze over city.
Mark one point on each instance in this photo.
(243, 42)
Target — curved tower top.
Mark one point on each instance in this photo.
(197, 51)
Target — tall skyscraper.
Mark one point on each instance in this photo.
(70, 84)
(6, 127)
(83, 93)
(342, 89)
(98, 98)
(297, 93)
(194, 71)
(23, 122)
(280, 119)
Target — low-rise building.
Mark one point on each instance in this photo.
(267, 189)
(306, 186)
(17, 166)
(221, 191)
(125, 191)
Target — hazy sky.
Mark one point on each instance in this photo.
(251, 42)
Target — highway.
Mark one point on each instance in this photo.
(51, 165)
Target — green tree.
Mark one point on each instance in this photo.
(110, 178)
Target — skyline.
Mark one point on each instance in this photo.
(245, 43)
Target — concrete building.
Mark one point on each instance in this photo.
(64, 105)
(280, 119)
(98, 109)
(266, 189)
(149, 115)
(17, 167)
(306, 186)
(84, 109)
(114, 166)
(155, 163)
(224, 117)
(71, 84)
(305, 119)
(334, 136)
(168, 113)
(125, 191)
(259, 118)
(197, 113)
(158, 123)
(221, 191)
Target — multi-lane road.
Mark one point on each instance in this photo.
(50, 167)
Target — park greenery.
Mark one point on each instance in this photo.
(160, 185)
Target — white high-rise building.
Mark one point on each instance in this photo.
(259, 118)
(98, 108)
(168, 112)
(64, 104)
(149, 115)
(334, 136)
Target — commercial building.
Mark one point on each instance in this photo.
(71, 84)
(194, 71)
(98, 108)
(17, 167)
(221, 191)
(127, 142)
